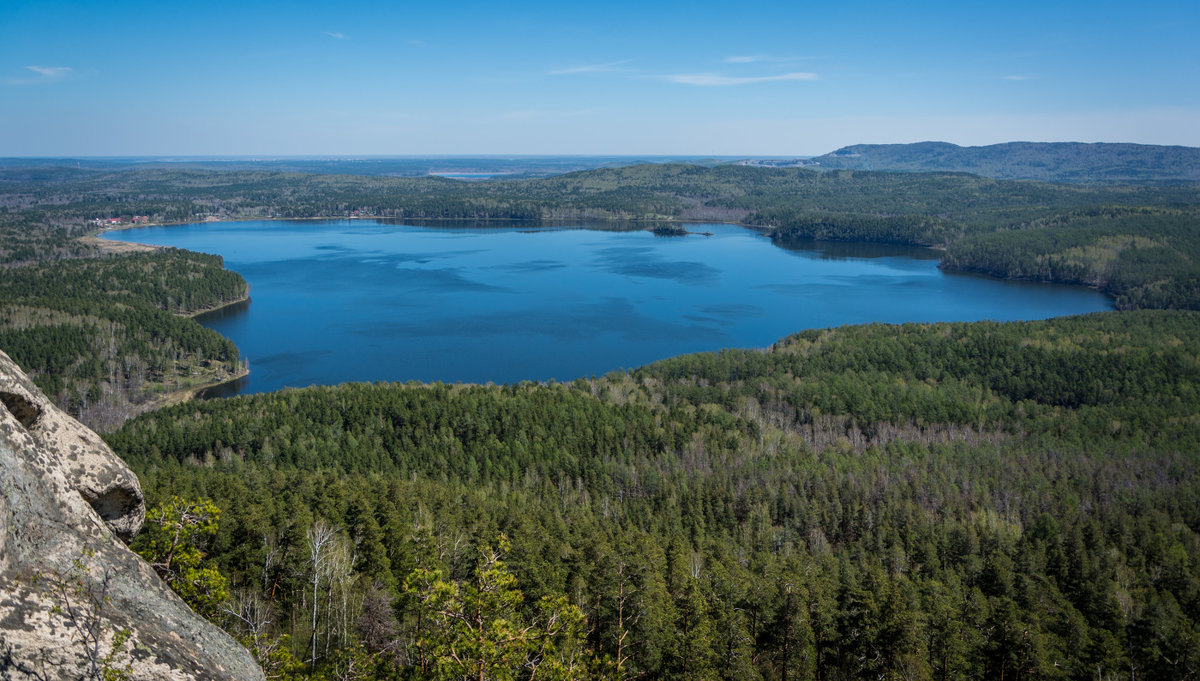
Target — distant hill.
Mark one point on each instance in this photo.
(457, 167)
(1054, 162)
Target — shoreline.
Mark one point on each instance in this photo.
(255, 218)
(188, 394)
(222, 306)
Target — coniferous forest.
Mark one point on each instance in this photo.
(922, 501)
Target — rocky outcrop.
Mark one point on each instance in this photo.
(74, 600)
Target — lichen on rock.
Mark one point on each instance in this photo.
(68, 506)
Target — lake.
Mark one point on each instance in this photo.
(363, 300)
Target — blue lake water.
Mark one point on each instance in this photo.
(335, 301)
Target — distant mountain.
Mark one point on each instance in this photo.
(1055, 162)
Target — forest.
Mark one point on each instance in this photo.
(922, 501)
(925, 501)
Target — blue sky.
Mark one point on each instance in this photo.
(751, 78)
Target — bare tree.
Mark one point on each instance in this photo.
(337, 573)
(377, 624)
(626, 621)
(320, 537)
(252, 614)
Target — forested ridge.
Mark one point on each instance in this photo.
(921, 501)
(640, 191)
(1053, 162)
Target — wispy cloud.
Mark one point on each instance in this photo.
(717, 80)
(43, 74)
(591, 68)
(758, 58)
(1016, 77)
(336, 34)
(52, 72)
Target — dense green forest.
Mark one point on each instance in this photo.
(926, 501)
(1144, 257)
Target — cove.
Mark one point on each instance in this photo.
(363, 300)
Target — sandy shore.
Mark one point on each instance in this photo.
(108, 247)
(189, 394)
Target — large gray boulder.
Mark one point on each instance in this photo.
(74, 599)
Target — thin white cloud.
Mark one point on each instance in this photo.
(336, 34)
(717, 80)
(1016, 77)
(54, 72)
(45, 74)
(591, 68)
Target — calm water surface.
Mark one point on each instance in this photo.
(336, 301)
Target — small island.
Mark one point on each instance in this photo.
(674, 230)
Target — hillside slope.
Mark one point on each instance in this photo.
(1048, 161)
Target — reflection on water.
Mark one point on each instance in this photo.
(227, 389)
(650, 262)
(843, 250)
(365, 300)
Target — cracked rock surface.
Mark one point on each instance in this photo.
(68, 504)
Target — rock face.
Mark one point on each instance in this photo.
(74, 600)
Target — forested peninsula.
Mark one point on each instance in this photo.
(922, 501)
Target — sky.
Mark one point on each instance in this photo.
(702, 78)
